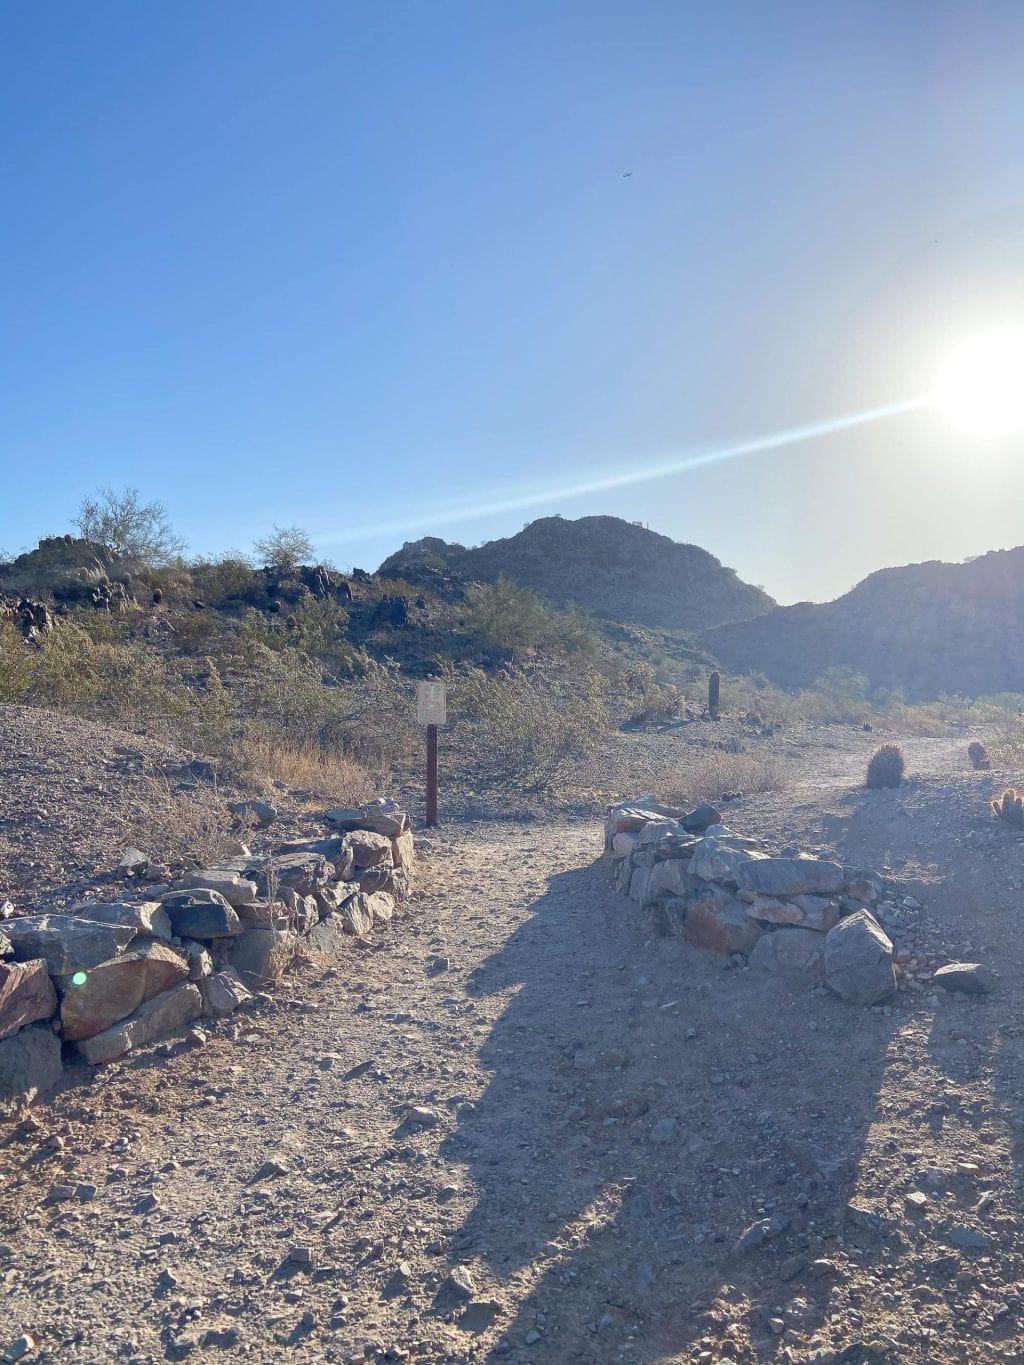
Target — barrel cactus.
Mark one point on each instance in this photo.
(979, 758)
(886, 767)
(1010, 807)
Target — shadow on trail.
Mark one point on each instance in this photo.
(619, 1155)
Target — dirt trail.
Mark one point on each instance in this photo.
(611, 1114)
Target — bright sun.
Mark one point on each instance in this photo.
(980, 386)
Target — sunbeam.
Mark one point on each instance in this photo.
(512, 500)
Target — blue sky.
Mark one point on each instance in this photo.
(375, 268)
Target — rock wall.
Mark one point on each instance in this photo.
(104, 978)
(798, 918)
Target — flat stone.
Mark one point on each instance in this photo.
(794, 954)
(202, 913)
(149, 918)
(969, 1239)
(155, 1019)
(26, 995)
(973, 978)
(66, 943)
(774, 911)
(234, 888)
(622, 845)
(785, 877)
(700, 818)
(112, 990)
(30, 1066)
(859, 960)
(304, 873)
(262, 813)
(714, 861)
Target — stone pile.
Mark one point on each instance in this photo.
(107, 978)
(800, 918)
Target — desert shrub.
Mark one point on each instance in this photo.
(529, 726)
(838, 696)
(1006, 738)
(16, 664)
(137, 531)
(320, 625)
(218, 582)
(647, 699)
(976, 752)
(886, 767)
(714, 772)
(285, 547)
(69, 668)
(197, 628)
(505, 614)
(306, 767)
(1009, 806)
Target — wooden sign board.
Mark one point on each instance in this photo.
(430, 703)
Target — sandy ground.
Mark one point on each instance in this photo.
(521, 1002)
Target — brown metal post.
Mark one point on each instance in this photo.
(431, 776)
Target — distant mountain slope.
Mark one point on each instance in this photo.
(924, 629)
(619, 570)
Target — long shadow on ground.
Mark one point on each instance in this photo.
(646, 1108)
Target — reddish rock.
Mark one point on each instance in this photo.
(719, 923)
(114, 989)
(26, 994)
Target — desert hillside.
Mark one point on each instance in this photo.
(616, 569)
(924, 629)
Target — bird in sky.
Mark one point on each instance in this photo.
(626, 174)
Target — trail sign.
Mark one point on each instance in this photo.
(430, 703)
(431, 712)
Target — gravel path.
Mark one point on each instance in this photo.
(604, 1115)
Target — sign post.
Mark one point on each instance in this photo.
(431, 711)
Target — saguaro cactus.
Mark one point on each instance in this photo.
(714, 694)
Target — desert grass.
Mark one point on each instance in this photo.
(714, 772)
(306, 767)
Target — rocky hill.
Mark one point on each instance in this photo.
(923, 629)
(619, 570)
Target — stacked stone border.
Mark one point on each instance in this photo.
(102, 979)
(799, 918)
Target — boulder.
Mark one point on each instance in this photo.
(794, 954)
(378, 817)
(356, 915)
(700, 818)
(304, 873)
(630, 816)
(235, 888)
(112, 990)
(381, 907)
(261, 813)
(671, 877)
(622, 845)
(263, 954)
(66, 943)
(149, 918)
(811, 912)
(29, 1066)
(714, 861)
(719, 923)
(202, 913)
(403, 853)
(785, 877)
(819, 912)
(155, 1019)
(329, 936)
(222, 993)
(26, 995)
(973, 978)
(858, 960)
(368, 849)
(263, 913)
(197, 958)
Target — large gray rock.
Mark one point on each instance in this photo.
(380, 817)
(403, 850)
(820, 913)
(157, 1018)
(785, 877)
(260, 954)
(369, 849)
(304, 873)
(381, 906)
(356, 915)
(149, 918)
(26, 995)
(29, 1067)
(714, 861)
(858, 960)
(262, 813)
(228, 883)
(793, 954)
(201, 913)
(66, 943)
(114, 989)
(671, 877)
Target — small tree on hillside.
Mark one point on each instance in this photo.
(136, 530)
(285, 547)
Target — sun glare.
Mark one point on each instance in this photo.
(980, 385)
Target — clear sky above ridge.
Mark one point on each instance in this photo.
(377, 268)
